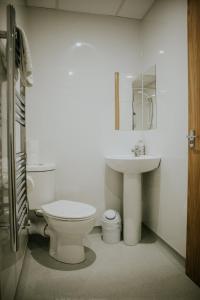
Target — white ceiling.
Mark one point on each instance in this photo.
(135, 9)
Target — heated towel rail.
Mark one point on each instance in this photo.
(16, 136)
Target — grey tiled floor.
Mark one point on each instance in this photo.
(147, 271)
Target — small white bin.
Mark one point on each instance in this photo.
(111, 226)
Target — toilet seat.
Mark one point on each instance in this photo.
(69, 210)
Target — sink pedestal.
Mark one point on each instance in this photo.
(132, 167)
(132, 208)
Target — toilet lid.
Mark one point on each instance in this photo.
(66, 209)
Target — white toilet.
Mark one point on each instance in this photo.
(68, 221)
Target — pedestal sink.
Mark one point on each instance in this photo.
(132, 167)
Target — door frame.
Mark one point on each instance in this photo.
(193, 204)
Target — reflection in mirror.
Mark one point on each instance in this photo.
(117, 117)
(149, 99)
(125, 103)
(137, 104)
(144, 100)
(135, 101)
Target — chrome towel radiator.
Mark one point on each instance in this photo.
(16, 137)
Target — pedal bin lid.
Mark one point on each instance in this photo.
(111, 215)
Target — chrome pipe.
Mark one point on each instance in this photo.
(23, 140)
(21, 193)
(3, 34)
(20, 105)
(20, 162)
(20, 171)
(22, 219)
(20, 120)
(10, 49)
(20, 97)
(21, 209)
(21, 201)
(20, 155)
(20, 166)
(20, 186)
(17, 184)
(20, 179)
(20, 113)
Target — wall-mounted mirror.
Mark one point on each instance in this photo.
(135, 101)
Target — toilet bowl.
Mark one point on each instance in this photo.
(68, 222)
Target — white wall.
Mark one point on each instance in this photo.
(72, 117)
(165, 193)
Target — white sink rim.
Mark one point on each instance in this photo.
(130, 164)
(132, 156)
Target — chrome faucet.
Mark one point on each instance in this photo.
(136, 150)
(139, 148)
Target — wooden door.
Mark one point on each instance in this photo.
(193, 218)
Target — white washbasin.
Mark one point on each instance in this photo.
(132, 168)
(130, 164)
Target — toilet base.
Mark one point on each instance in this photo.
(66, 238)
(70, 254)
